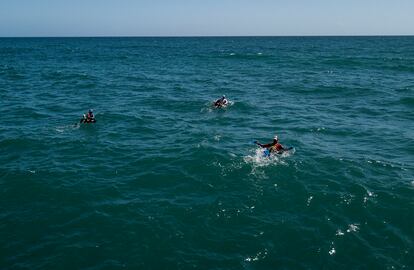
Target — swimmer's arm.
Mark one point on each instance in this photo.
(264, 145)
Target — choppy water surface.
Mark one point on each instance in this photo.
(163, 181)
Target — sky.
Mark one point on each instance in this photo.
(205, 17)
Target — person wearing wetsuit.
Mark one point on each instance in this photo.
(274, 146)
(221, 102)
(88, 118)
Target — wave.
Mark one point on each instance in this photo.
(258, 159)
(343, 62)
(16, 51)
(11, 73)
(163, 167)
(246, 56)
(409, 101)
(62, 75)
(236, 56)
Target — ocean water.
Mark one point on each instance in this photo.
(164, 181)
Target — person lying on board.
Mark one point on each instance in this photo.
(221, 102)
(274, 146)
(88, 118)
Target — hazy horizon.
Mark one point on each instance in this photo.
(186, 18)
(210, 36)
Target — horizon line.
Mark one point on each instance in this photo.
(207, 36)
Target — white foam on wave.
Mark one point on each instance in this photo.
(228, 168)
(309, 200)
(258, 159)
(347, 198)
(369, 196)
(318, 129)
(65, 128)
(339, 232)
(259, 256)
(353, 228)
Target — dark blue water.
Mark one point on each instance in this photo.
(164, 181)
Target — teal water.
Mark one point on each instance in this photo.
(163, 181)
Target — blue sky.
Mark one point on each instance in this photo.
(205, 17)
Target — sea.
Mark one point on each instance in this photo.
(163, 180)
